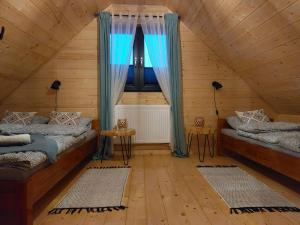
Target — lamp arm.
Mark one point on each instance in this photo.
(216, 108)
(55, 100)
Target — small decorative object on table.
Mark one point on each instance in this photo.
(122, 124)
(199, 121)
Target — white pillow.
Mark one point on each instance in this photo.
(65, 118)
(234, 122)
(253, 116)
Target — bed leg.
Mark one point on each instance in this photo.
(220, 125)
(27, 208)
(15, 204)
(219, 146)
(219, 149)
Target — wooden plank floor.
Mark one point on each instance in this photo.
(164, 190)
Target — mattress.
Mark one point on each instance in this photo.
(233, 133)
(39, 160)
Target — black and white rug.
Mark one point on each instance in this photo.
(242, 192)
(99, 189)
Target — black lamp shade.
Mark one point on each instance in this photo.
(216, 85)
(55, 85)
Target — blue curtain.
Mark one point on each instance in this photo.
(105, 100)
(174, 61)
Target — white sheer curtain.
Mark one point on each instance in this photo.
(155, 37)
(122, 38)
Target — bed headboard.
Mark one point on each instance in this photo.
(96, 125)
(222, 123)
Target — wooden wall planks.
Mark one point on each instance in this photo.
(258, 39)
(143, 98)
(76, 66)
(288, 118)
(200, 67)
(35, 31)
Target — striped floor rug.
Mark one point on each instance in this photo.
(99, 189)
(242, 192)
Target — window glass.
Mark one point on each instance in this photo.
(117, 55)
(157, 60)
(141, 75)
(147, 57)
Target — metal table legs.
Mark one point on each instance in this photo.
(103, 148)
(189, 142)
(206, 141)
(126, 146)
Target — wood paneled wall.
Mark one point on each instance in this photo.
(76, 66)
(34, 31)
(143, 98)
(200, 67)
(259, 39)
(288, 118)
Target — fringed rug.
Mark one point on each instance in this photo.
(242, 192)
(99, 189)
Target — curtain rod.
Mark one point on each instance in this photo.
(97, 14)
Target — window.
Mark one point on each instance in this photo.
(141, 76)
(119, 40)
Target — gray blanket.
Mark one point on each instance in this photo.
(44, 129)
(291, 142)
(270, 138)
(266, 127)
(39, 143)
(286, 135)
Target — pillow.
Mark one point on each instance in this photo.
(85, 122)
(40, 119)
(234, 122)
(24, 118)
(65, 118)
(253, 116)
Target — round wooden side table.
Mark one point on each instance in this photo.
(126, 145)
(206, 131)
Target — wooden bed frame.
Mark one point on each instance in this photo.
(278, 161)
(18, 197)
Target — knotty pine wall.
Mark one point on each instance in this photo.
(288, 118)
(259, 39)
(34, 31)
(76, 66)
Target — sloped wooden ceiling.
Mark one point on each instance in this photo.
(34, 31)
(259, 39)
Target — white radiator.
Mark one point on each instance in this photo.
(152, 122)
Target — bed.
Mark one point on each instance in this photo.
(22, 185)
(275, 157)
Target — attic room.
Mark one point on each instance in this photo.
(148, 112)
